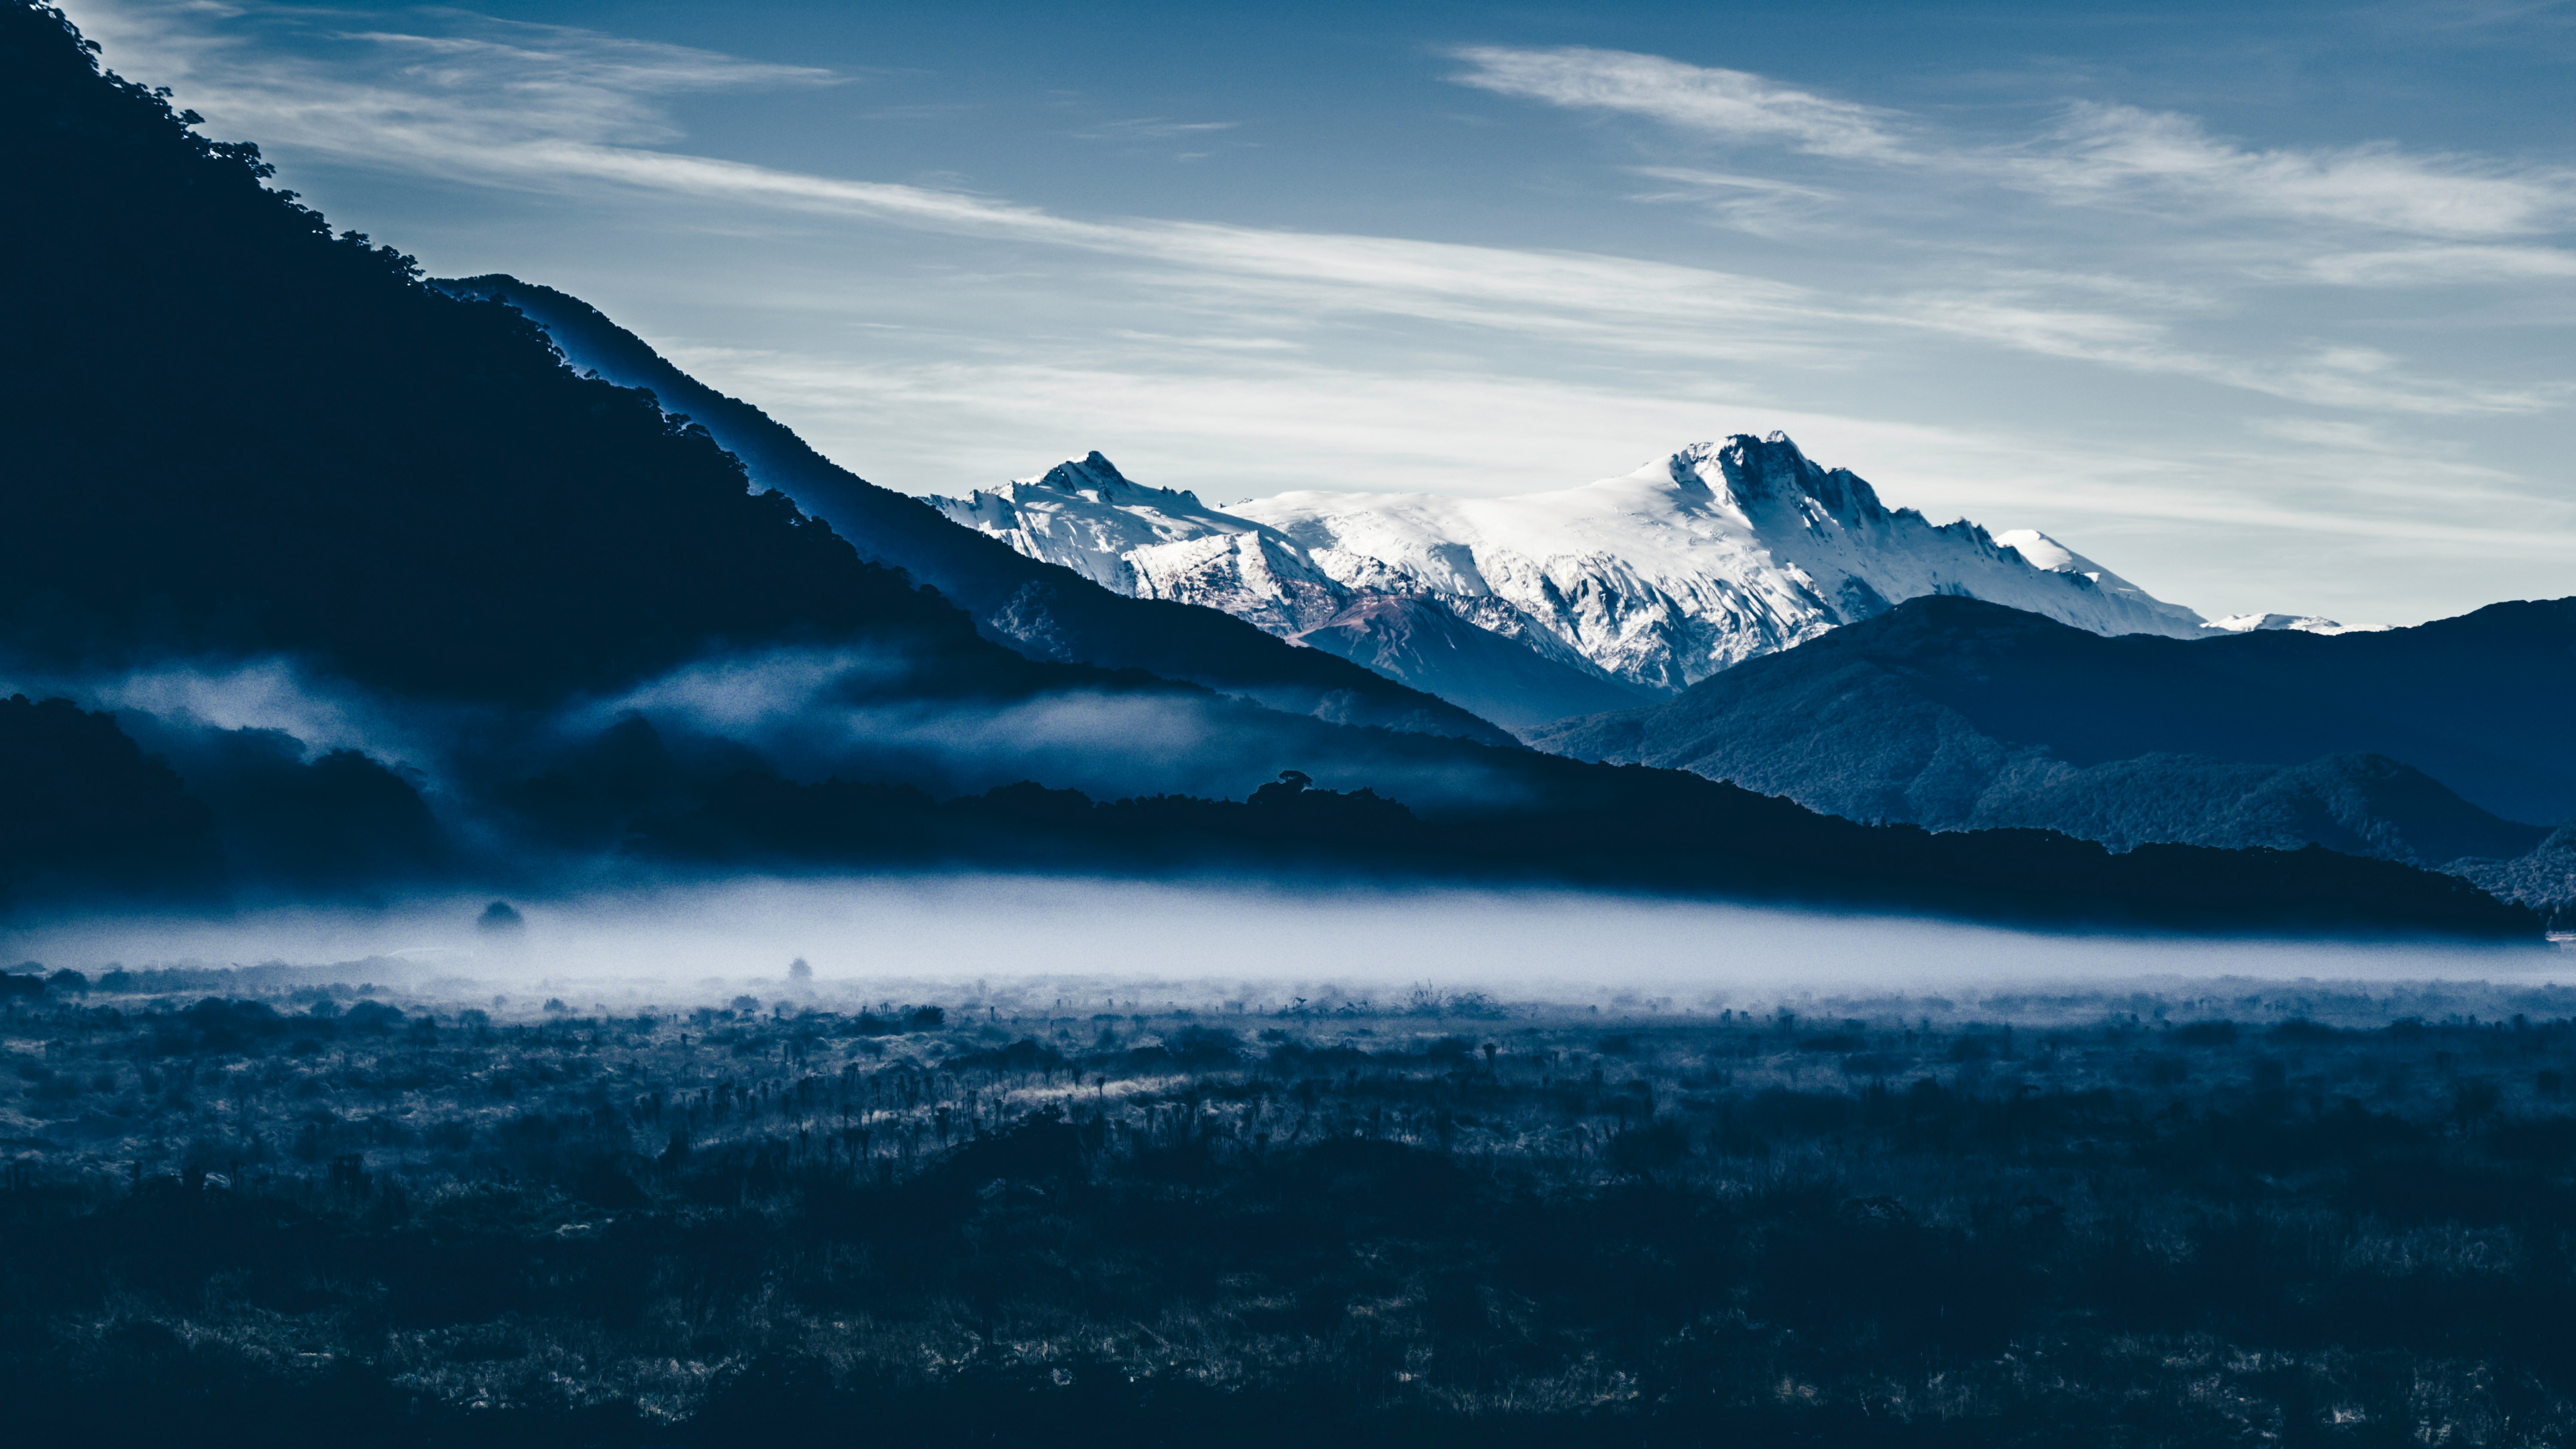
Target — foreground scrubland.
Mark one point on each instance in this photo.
(277, 1206)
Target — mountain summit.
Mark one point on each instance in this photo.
(1525, 608)
(1715, 554)
(1153, 543)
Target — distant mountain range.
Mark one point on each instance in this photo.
(1638, 585)
(1911, 694)
(1160, 543)
(557, 631)
(1957, 714)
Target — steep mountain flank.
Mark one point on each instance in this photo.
(1043, 611)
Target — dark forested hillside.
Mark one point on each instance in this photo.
(1503, 680)
(1957, 713)
(1038, 608)
(248, 435)
(1628, 828)
(82, 808)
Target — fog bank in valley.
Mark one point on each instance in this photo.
(1030, 942)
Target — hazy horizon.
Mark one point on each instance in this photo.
(1033, 937)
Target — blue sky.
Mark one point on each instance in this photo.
(2266, 307)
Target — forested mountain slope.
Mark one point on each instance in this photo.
(1038, 608)
(2450, 739)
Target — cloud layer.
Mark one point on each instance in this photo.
(2095, 154)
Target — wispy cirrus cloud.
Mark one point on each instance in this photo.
(1151, 128)
(2099, 154)
(543, 108)
(1756, 205)
(2438, 266)
(567, 80)
(1574, 431)
(2102, 152)
(482, 80)
(1734, 104)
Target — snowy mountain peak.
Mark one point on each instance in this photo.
(2044, 552)
(2300, 623)
(1652, 580)
(1086, 515)
(1094, 477)
(1769, 470)
(1711, 555)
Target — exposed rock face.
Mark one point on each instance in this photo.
(1719, 553)
(1648, 582)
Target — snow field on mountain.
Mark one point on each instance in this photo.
(1658, 578)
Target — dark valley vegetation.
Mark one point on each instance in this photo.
(278, 1204)
(98, 824)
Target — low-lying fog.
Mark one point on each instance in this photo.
(1088, 943)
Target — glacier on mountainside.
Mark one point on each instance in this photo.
(1699, 560)
(1153, 543)
(1650, 581)
(1159, 543)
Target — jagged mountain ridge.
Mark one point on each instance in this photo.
(1163, 543)
(1085, 515)
(2294, 623)
(1718, 553)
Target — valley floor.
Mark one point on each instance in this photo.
(244, 1210)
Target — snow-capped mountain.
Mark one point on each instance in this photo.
(1647, 582)
(2299, 623)
(1697, 561)
(1161, 543)
(1153, 543)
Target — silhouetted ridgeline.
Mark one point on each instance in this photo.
(1626, 829)
(81, 805)
(2278, 1214)
(1038, 608)
(1953, 712)
(1622, 827)
(1963, 715)
(248, 436)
